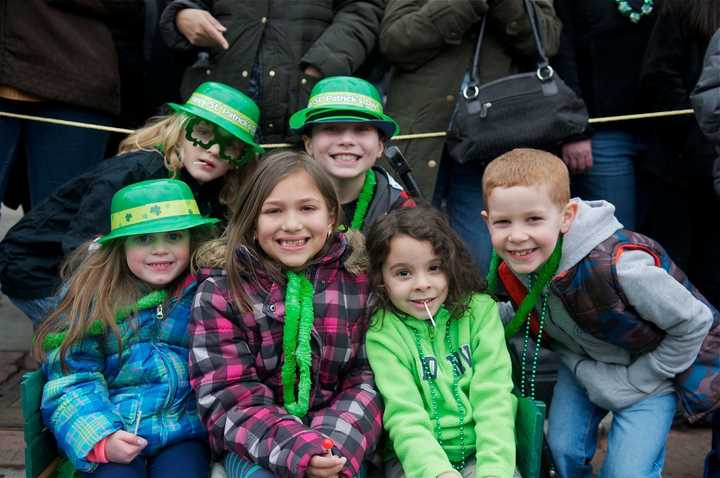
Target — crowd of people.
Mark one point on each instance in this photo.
(198, 297)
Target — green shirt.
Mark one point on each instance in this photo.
(477, 344)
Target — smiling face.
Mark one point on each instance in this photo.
(525, 224)
(158, 258)
(413, 277)
(294, 221)
(203, 164)
(345, 150)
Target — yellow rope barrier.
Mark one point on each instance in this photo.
(401, 137)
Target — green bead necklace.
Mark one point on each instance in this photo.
(366, 195)
(434, 392)
(626, 9)
(525, 376)
(299, 317)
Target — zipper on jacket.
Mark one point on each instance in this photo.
(159, 312)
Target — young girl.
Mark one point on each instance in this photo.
(118, 399)
(437, 349)
(278, 358)
(208, 143)
(344, 129)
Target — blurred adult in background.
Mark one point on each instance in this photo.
(430, 45)
(58, 60)
(677, 178)
(273, 50)
(600, 56)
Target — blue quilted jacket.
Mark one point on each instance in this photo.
(104, 390)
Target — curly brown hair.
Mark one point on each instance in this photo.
(423, 223)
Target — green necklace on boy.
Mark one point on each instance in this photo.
(363, 202)
(299, 317)
(537, 283)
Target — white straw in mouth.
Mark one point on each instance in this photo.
(429, 313)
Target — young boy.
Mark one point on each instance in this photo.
(625, 321)
(344, 129)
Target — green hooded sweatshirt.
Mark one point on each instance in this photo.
(477, 349)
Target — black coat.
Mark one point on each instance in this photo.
(33, 250)
(672, 66)
(600, 55)
(280, 38)
(62, 50)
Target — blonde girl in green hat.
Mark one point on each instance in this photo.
(344, 129)
(115, 352)
(208, 142)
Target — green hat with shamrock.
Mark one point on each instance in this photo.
(226, 107)
(344, 99)
(157, 205)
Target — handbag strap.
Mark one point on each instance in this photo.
(544, 71)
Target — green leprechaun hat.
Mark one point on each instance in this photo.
(157, 205)
(344, 99)
(226, 107)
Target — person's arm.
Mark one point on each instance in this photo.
(406, 420)
(515, 29)
(237, 408)
(659, 298)
(346, 42)
(76, 404)
(175, 33)
(494, 404)
(413, 34)
(577, 151)
(706, 95)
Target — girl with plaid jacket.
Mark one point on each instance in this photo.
(278, 358)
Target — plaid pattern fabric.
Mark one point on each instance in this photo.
(236, 360)
(105, 389)
(594, 299)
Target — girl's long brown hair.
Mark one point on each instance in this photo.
(167, 134)
(423, 223)
(99, 284)
(240, 233)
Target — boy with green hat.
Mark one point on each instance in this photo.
(344, 129)
(127, 309)
(207, 142)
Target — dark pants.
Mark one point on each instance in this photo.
(55, 153)
(187, 459)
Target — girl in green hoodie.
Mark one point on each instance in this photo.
(437, 348)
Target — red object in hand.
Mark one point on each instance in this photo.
(328, 444)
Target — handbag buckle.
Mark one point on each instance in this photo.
(545, 72)
(471, 91)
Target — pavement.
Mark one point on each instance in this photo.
(686, 447)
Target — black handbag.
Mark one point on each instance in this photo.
(532, 110)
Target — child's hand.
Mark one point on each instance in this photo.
(123, 447)
(448, 474)
(325, 466)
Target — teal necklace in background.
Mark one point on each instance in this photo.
(634, 15)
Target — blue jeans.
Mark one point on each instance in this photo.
(237, 467)
(38, 309)
(55, 153)
(187, 459)
(458, 191)
(636, 443)
(612, 176)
